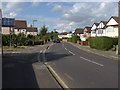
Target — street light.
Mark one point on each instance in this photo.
(33, 31)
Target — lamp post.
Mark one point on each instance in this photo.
(33, 31)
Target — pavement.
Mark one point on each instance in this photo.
(108, 54)
(24, 69)
(78, 68)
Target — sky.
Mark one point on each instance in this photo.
(62, 16)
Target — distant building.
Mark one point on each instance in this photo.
(20, 27)
(101, 28)
(93, 29)
(86, 33)
(32, 31)
(78, 31)
(62, 35)
(8, 25)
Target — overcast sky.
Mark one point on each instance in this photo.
(64, 16)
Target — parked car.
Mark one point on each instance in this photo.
(56, 41)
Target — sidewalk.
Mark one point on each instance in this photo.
(107, 54)
(43, 76)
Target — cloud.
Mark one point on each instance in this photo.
(87, 13)
(10, 9)
(35, 3)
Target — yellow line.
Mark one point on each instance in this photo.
(58, 77)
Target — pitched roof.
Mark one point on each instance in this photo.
(96, 24)
(115, 18)
(88, 29)
(31, 29)
(20, 24)
(64, 33)
(79, 31)
(104, 22)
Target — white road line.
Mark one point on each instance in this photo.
(92, 61)
(65, 48)
(71, 53)
(39, 56)
(68, 76)
(44, 55)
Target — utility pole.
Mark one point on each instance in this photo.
(33, 32)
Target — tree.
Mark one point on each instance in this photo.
(43, 30)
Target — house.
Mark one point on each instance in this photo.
(69, 35)
(7, 25)
(32, 31)
(112, 27)
(86, 33)
(62, 35)
(78, 31)
(20, 27)
(101, 28)
(93, 29)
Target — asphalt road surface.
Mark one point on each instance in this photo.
(22, 69)
(80, 69)
(75, 67)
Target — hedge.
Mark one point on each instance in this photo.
(74, 39)
(102, 43)
(20, 40)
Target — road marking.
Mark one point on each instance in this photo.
(50, 46)
(39, 56)
(57, 77)
(65, 48)
(92, 61)
(71, 53)
(14, 53)
(68, 76)
(44, 59)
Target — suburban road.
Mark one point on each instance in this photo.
(75, 67)
(80, 69)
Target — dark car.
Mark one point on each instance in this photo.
(57, 40)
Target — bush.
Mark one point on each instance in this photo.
(102, 43)
(74, 39)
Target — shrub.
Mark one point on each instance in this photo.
(102, 43)
(74, 39)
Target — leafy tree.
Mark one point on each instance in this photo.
(43, 30)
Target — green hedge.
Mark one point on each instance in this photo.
(20, 40)
(102, 43)
(74, 39)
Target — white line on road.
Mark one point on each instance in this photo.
(65, 48)
(68, 76)
(71, 53)
(92, 61)
(44, 55)
(39, 56)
